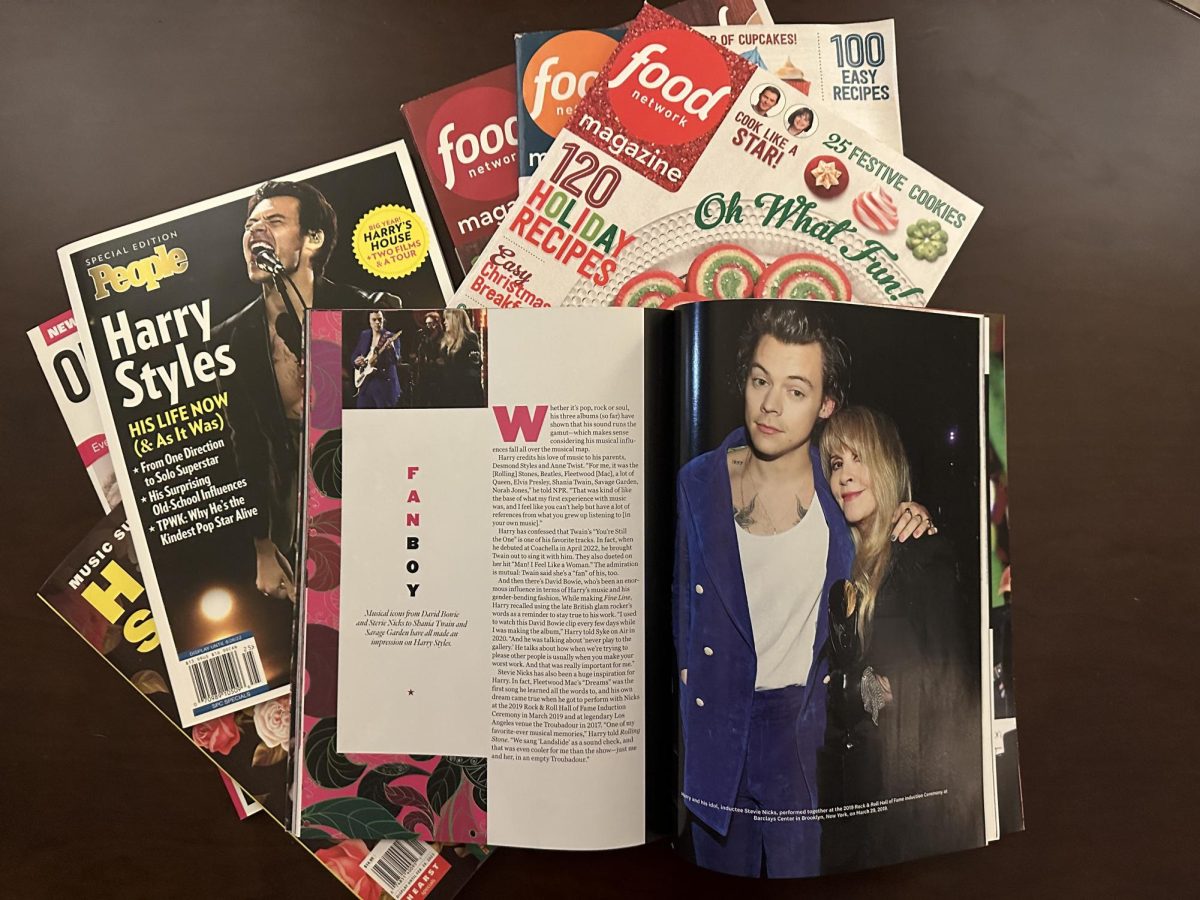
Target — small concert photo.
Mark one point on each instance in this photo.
(414, 359)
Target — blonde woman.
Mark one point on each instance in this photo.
(904, 691)
(451, 366)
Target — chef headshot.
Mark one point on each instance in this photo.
(767, 101)
(799, 121)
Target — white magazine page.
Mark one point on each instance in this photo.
(243, 804)
(491, 577)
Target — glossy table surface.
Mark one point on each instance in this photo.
(1074, 123)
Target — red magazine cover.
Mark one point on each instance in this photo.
(466, 137)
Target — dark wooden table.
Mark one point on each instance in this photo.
(1074, 123)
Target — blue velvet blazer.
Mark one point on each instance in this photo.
(715, 643)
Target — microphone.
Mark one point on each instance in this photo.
(266, 259)
(287, 324)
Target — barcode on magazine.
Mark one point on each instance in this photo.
(225, 672)
(405, 869)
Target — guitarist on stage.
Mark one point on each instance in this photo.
(375, 358)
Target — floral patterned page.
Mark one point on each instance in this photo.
(474, 569)
(432, 798)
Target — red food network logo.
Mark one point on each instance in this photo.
(475, 143)
(669, 87)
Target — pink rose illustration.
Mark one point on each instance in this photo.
(273, 721)
(217, 735)
(345, 861)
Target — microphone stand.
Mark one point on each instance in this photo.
(295, 322)
(294, 338)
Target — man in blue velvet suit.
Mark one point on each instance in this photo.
(760, 541)
(375, 356)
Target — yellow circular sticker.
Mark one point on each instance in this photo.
(391, 241)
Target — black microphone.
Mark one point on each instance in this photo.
(266, 259)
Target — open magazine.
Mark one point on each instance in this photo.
(580, 578)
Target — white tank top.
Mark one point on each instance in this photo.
(784, 574)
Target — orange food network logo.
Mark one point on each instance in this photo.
(560, 73)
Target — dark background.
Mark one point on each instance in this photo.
(1075, 125)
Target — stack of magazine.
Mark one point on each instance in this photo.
(424, 571)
